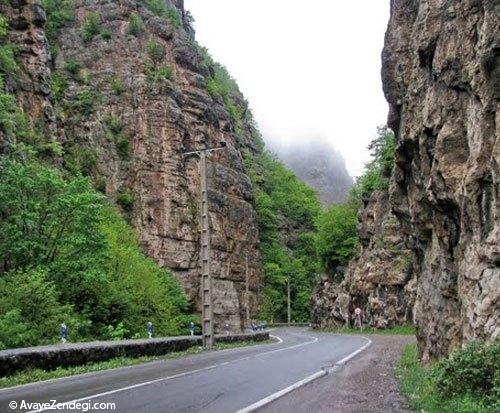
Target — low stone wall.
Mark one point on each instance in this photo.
(75, 354)
(288, 325)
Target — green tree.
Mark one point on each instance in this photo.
(337, 237)
(378, 170)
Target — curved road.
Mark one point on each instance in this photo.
(219, 381)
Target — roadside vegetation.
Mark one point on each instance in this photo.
(467, 381)
(66, 254)
(35, 375)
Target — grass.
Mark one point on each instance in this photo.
(34, 375)
(417, 384)
(396, 330)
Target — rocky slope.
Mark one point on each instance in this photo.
(379, 280)
(441, 77)
(320, 166)
(125, 93)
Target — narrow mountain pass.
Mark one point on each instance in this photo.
(222, 381)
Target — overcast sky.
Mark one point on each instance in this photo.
(309, 68)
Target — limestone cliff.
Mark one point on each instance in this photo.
(441, 77)
(379, 280)
(439, 234)
(128, 95)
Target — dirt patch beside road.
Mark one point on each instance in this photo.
(366, 384)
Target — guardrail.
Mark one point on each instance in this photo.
(75, 354)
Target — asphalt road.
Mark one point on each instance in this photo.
(219, 381)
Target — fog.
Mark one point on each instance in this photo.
(308, 68)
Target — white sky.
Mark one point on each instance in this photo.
(309, 68)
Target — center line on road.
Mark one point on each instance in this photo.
(175, 376)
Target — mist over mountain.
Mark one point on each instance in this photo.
(318, 164)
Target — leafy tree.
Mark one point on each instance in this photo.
(286, 209)
(378, 170)
(337, 237)
(65, 255)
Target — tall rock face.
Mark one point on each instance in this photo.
(380, 279)
(441, 77)
(129, 91)
(31, 82)
(316, 163)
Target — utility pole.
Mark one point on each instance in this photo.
(247, 295)
(207, 312)
(289, 303)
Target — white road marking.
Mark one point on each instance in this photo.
(280, 340)
(146, 383)
(303, 382)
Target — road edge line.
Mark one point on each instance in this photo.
(354, 353)
(266, 400)
(275, 396)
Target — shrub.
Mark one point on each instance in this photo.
(164, 72)
(85, 102)
(135, 24)
(72, 66)
(7, 58)
(114, 124)
(472, 370)
(106, 34)
(122, 143)
(125, 198)
(59, 14)
(156, 51)
(58, 85)
(159, 8)
(117, 85)
(90, 26)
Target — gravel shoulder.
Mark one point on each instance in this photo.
(366, 384)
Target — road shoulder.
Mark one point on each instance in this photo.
(365, 384)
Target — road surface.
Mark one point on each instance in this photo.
(219, 381)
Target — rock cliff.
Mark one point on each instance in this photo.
(441, 77)
(124, 92)
(434, 245)
(379, 280)
(320, 166)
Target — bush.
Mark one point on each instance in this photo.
(160, 8)
(85, 102)
(114, 124)
(472, 370)
(156, 51)
(58, 85)
(7, 59)
(60, 13)
(122, 143)
(72, 66)
(106, 34)
(164, 72)
(90, 27)
(117, 85)
(125, 198)
(30, 299)
(135, 24)
(424, 385)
